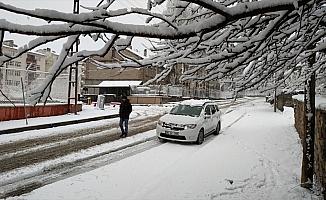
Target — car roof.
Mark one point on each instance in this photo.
(193, 102)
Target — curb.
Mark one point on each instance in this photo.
(52, 125)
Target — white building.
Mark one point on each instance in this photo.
(30, 68)
(16, 70)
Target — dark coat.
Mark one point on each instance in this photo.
(125, 109)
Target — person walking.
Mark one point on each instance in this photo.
(124, 113)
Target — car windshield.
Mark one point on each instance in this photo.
(189, 110)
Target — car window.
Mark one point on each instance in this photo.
(213, 109)
(186, 110)
(207, 110)
(217, 108)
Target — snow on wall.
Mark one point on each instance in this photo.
(320, 101)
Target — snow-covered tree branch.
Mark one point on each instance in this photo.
(251, 41)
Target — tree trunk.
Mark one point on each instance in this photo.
(309, 139)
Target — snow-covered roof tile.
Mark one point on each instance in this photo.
(119, 83)
(136, 53)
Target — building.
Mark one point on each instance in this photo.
(113, 81)
(30, 69)
(50, 57)
(191, 88)
(23, 68)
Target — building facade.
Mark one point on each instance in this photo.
(94, 74)
(28, 71)
(24, 69)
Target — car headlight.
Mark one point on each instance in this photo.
(160, 123)
(190, 126)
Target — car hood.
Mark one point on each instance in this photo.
(179, 119)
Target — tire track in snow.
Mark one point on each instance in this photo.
(56, 172)
(267, 173)
(235, 121)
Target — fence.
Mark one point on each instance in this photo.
(320, 139)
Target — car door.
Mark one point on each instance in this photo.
(218, 113)
(208, 119)
(214, 116)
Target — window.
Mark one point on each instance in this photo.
(186, 110)
(9, 82)
(208, 110)
(10, 72)
(17, 64)
(12, 63)
(213, 109)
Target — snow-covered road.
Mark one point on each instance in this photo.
(256, 156)
(31, 159)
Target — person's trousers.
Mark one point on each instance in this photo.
(124, 125)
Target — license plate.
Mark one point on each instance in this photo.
(171, 133)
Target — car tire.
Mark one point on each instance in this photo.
(161, 140)
(218, 128)
(201, 137)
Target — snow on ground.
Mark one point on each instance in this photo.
(256, 156)
(139, 112)
(88, 111)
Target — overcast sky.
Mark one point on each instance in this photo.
(67, 6)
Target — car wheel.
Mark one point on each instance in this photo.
(218, 128)
(161, 140)
(200, 138)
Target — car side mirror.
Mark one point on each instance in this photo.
(207, 116)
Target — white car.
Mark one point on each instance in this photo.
(190, 121)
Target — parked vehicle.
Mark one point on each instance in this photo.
(190, 121)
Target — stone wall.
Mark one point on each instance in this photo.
(299, 118)
(320, 140)
(320, 147)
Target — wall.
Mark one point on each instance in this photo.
(12, 113)
(320, 148)
(320, 140)
(147, 99)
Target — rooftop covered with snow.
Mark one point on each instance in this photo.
(104, 84)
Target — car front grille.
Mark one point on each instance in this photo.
(173, 126)
(178, 137)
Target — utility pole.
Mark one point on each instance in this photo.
(73, 69)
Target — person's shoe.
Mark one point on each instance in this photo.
(125, 135)
(122, 134)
